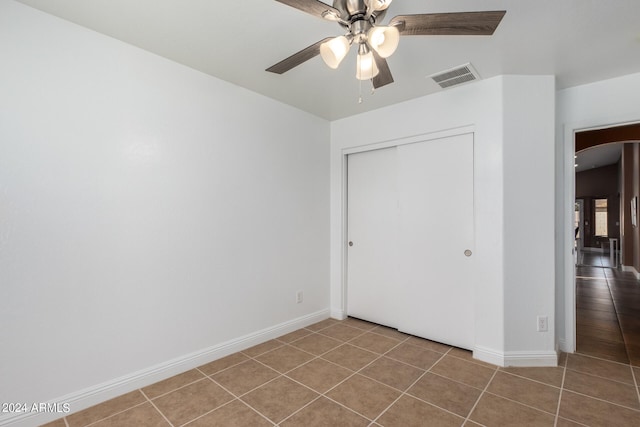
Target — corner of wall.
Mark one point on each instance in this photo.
(93, 395)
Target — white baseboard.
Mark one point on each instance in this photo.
(631, 269)
(338, 314)
(101, 392)
(531, 358)
(488, 355)
(564, 347)
(516, 358)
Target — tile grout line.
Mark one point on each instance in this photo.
(418, 367)
(181, 387)
(114, 414)
(480, 397)
(453, 380)
(564, 374)
(426, 371)
(498, 369)
(353, 373)
(531, 379)
(599, 358)
(519, 403)
(635, 381)
(603, 378)
(610, 280)
(316, 357)
(615, 309)
(237, 397)
(404, 393)
(249, 357)
(603, 400)
(289, 344)
(320, 396)
(221, 370)
(342, 343)
(215, 408)
(156, 408)
(357, 372)
(226, 404)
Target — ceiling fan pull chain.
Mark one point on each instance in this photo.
(360, 92)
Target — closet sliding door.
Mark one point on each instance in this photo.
(411, 238)
(436, 240)
(373, 236)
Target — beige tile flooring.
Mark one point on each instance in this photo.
(354, 373)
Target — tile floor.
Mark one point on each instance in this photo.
(607, 311)
(598, 331)
(595, 259)
(354, 373)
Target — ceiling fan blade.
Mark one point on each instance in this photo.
(448, 24)
(297, 58)
(312, 7)
(384, 76)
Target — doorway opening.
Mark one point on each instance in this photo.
(607, 168)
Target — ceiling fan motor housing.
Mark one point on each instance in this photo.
(359, 29)
(354, 10)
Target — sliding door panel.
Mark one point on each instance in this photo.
(373, 233)
(436, 240)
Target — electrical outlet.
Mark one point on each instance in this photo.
(299, 297)
(543, 324)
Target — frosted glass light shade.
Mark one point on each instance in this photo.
(366, 67)
(384, 40)
(334, 51)
(379, 4)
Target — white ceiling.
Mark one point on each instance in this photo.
(579, 41)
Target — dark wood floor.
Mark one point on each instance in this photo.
(607, 311)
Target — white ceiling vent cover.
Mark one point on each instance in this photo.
(456, 76)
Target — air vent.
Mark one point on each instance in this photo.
(455, 76)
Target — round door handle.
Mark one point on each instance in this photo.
(468, 253)
(350, 243)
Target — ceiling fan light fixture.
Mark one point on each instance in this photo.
(366, 67)
(334, 51)
(378, 4)
(384, 40)
(361, 17)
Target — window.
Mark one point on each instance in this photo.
(601, 217)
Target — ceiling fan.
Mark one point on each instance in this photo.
(362, 18)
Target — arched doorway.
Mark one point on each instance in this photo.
(603, 318)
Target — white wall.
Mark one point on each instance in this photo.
(529, 220)
(504, 322)
(148, 213)
(601, 104)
